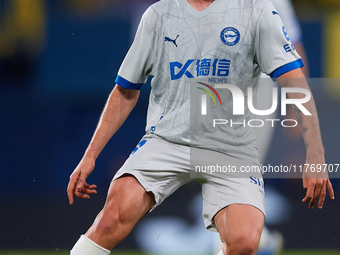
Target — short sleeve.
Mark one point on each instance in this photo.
(137, 64)
(275, 53)
(288, 16)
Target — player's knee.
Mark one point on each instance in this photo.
(243, 244)
(107, 222)
(109, 219)
(110, 227)
(107, 229)
(115, 215)
(241, 249)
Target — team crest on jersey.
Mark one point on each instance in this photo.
(230, 36)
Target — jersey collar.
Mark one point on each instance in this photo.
(185, 4)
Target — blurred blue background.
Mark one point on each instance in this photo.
(58, 63)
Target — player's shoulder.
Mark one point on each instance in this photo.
(259, 7)
(162, 7)
(282, 4)
(261, 4)
(247, 4)
(152, 14)
(159, 11)
(256, 7)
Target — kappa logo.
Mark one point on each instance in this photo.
(167, 39)
(230, 36)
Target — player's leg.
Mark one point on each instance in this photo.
(160, 168)
(240, 227)
(126, 203)
(233, 201)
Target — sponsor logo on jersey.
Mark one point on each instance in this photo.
(289, 46)
(285, 33)
(230, 36)
(167, 39)
(216, 69)
(275, 12)
(259, 182)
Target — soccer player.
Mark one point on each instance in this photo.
(184, 44)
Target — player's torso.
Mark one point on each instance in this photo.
(212, 46)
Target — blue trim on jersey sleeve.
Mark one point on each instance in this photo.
(286, 68)
(126, 84)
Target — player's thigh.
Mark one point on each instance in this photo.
(128, 198)
(160, 167)
(239, 223)
(127, 201)
(221, 189)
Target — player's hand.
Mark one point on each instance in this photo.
(77, 185)
(316, 183)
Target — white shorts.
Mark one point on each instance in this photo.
(161, 167)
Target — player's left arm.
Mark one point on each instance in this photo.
(315, 183)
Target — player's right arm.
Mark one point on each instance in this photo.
(117, 108)
(133, 73)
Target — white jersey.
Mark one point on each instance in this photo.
(183, 49)
(288, 16)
